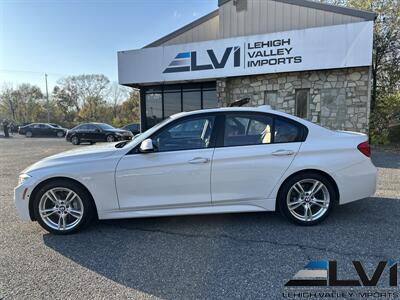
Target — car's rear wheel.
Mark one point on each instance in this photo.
(63, 207)
(75, 140)
(110, 138)
(60, 134)
(307, 198)
(28, 134)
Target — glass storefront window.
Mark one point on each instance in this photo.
(210, 99)
(163, 101)
(191, 100)
(172, 104)
(153, 109)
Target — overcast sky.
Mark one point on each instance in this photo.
(69, 37)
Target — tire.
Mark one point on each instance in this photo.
(29, 134)
(110, 138)
(300, 205)
(60, 134)
(75, 140)
(62, 216)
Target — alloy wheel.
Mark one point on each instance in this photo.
(61, 208)
(110, 138)
(308, 200)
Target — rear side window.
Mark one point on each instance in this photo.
(247, 130)
(286, 132)
(257, 129)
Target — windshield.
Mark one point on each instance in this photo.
(105, 126)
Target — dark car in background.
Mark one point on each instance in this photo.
(41, 129)
(96, 132)
(55, 125)
(134, 128)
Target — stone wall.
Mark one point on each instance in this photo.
(339, 99)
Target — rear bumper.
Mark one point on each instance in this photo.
(356, 182)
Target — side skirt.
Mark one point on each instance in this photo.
(216, 209)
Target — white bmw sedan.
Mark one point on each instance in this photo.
(210, 161)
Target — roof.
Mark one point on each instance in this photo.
(262, 108)
(367, 15)
(183, 29)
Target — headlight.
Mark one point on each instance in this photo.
(22, 178)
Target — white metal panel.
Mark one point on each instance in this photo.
(265, 16)
(209, 30)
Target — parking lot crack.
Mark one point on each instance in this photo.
(247, 240)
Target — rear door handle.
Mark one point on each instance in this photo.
(283, 152)
(199, 160)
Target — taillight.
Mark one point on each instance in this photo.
(364, 149)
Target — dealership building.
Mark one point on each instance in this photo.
(302, 57)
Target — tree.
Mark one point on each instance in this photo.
(23, 104)
(116, 95)
(129, 111)
(76, 89)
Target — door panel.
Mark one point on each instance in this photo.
(246, 173)
(175, 178)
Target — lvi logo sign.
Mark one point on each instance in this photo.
(324, 273)
(187, 61)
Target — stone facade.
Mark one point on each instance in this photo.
(338, 99)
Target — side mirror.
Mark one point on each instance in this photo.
(147, 146)
(97, 130)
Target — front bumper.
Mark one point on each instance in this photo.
(124, 138)
(21, 198)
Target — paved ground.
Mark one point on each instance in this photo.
(193, 257)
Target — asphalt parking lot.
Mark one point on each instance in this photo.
(228, 256)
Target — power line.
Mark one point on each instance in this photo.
(32, 72)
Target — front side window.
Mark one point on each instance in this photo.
(247, 130)
(185, 135)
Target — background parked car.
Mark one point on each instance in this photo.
(96, 132)
(134, 128)
(55, 125)
(41, 129)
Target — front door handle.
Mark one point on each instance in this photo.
(199, 160)
(282, 152)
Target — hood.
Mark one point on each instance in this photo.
(80, 155)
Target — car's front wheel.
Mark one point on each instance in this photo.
(60, 134)
(307, 198)
(110, 138)
(63, 207)
(28, 134)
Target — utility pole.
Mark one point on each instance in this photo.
(47, 97)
